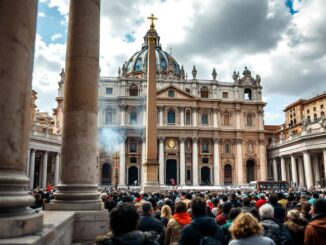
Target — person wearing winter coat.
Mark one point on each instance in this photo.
(175, 225)
(315, 232)
(296, 226)
(276, 231)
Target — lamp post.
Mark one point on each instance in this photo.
(116, 167)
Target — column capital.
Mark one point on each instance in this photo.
(160, 107)
(182, 139)
(216, 110)
(161, 139)
(123, 107)
(194, 109)
(216, 141)
(195, 140)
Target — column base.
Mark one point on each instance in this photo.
(122, 187)
(150, 188)
(74, 206)
(23, 225)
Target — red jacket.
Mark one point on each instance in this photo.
(260, 203)
(315, 233)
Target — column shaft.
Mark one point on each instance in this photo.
(182, 116)
(316, 170)
(161, 116)
(45, 170)
(28, 158)
(194, 117)
(195, 162)
(301, 172)
(122, 115)
(56, 169)
(307, 169)
(161, 161)
(324, 158)
(122, 164)
(263, 162)
(217, 164)
(294, 170)
(283, 170)
(143, 159)
(275, 174)
(182, 162)
(239, 165)
(32, 170)
(78, 189)
(17, 38)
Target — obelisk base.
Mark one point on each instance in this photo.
(151, 183)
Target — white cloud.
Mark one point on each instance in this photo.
(41, 14)
(56, 36)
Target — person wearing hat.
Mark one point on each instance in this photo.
(262, 200)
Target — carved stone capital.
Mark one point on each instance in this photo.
(161, 139)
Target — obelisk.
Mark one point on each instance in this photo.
(151, 166)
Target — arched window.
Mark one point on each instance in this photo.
(108, 117)
(133, 146)
(204, 119)
(226, 118)
(247, 94)
(133, 90)
(315, 117)
(138, 64)
(322, 114)
(204, 92)
(171, 117)
(133, 117)
(188, 118)
(249, 120)
(171, 93)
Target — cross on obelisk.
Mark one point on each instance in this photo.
(151, 166)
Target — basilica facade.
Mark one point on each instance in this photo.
(209, 132)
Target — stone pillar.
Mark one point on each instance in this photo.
(316, 169)
(182, 116)
(307, 169)
(294, 170)
(161, 161)
(239, 164)
(275, 173)
(28, 158)
(215, 124)
(17, 38)
(32, 170)
(194, 117)
(57, 168)
(144, 115)
(45, 170)
(324, 158)
(217, 164)
(143, 158)
(122, 115)
(301, 172)
(263, 162)
(194, 161)
(79, 175)
(161, 115)
(182, 162)
(122, 163)
(283, 169)
(237, 119)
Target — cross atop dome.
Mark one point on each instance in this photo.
(152, 18)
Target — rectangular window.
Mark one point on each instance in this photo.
(321, 106)
(188, 175)
(205, 148)
(109, 91)
(133, 160)
(308, 111)
(226, 119)
(314, 108)
(205, 160)
(225, 95)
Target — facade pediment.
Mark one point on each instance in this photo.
(173, 92)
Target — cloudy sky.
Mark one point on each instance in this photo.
(284, 41)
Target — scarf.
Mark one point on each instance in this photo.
(182, 218)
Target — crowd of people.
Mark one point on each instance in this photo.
(208, 217)
(211, 217)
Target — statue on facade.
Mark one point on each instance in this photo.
(258, 79)
(235, 76)
(182, 71)
(214, 74)
(194, 72)
(119, 71)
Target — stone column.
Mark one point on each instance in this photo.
(275, 173)
(194, 117)
(283, 170)
(79, 175)
(17, 38)
(28, 158)
(161, 115)
(237, 118)
(143, 158)
(144, 114)
(182, 116)
(294, 170)
(161, 160)
(316, 169)
(122, 115)
(215, 124)
(182, 161)
(45, 170)
(239, 164)
(324, 158)
(122, 163)
(301, 172)
(263, 162)
(307, 169)
(217, 164)
(32, 170)
(56, 169)
(195, 161)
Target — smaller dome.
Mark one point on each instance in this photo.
(137, 64)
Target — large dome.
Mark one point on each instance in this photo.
(137, 64)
